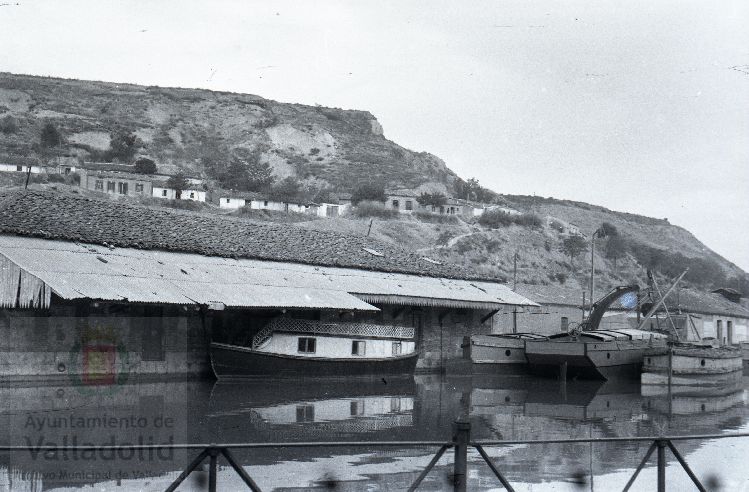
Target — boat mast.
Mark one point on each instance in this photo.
(660, 301)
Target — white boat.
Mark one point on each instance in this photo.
(693, 365)
(294, 347)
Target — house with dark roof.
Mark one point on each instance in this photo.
(90, 288)
(114, 181)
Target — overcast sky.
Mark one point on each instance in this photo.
(637, 106)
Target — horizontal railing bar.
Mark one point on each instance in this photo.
(340, 444)
(610, 439)
(255, 445)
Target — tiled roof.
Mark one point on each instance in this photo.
(123, 175)
(61, 216)
(247, 195)
(688, 300)
(693, 301)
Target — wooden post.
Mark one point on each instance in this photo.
(460, 467)
(563, 371)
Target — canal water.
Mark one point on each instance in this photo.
(512, 407)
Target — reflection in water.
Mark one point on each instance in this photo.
(424, 408)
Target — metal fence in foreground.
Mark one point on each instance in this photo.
(460, 443)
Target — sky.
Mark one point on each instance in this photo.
(639, 106)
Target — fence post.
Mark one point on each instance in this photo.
(212, 472)
(661, 443)
(461, 438)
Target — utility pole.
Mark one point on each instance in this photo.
(515, 271)
(583, 309)
(592, 265)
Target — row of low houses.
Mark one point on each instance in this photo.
(121, 179)
(54, 165)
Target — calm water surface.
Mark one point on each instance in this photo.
(422, 408)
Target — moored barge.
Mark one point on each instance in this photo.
(298, 348)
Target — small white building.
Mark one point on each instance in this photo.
(194, 191)
(19, 168)
(171, 194)
(404, 201)
(329, 210)
(267, 204)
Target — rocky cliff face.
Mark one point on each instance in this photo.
(189, 129)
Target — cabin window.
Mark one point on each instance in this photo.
(122, 188)
(139, 187)
(307, 345)
(99, 184)
(358, 347)
(110, 186)
(729, 330)
(409, 205)
(397, 348)
(163, 192)
(565, 323)
(192, 195)
(19, 168)
(228, 200)
(356, 408)
(265, 203)
(395, 405)
(305, 413)
(396, 204)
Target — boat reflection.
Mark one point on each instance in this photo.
(319, 409)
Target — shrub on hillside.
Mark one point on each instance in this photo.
(373, 209)
(531, 221)
(495, 219)
(372, 192)
(144, 165)
(432, 218)
(8, 125)
(55, 178)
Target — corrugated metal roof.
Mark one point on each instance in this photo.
(78, 270)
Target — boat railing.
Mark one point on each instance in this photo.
(325, 328)
(461, 443)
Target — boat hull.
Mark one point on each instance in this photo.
(233, 362)
(587, 360)
(698, 366)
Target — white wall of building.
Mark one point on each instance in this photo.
(171, 194)
(13, 168)
(231, 203)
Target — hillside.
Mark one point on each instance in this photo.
(201, 132)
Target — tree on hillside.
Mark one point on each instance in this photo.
(123, 146)
(178, 183)
(573, 246)
(247, 175)
(287, 190)
(260, 175)
(368, 192)
(144, 165)
(8, 125)
(50, 137)
(432, 199)
(616, 247)
(607, 229)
